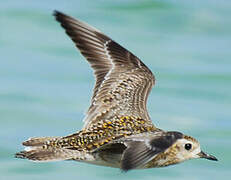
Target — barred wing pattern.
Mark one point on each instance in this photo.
(123, 82)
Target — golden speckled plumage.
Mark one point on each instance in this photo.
(118, 131)
(103, 132)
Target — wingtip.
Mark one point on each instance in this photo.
(56, 13)
(125, 166)
(125, 169)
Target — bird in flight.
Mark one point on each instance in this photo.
(117, 131)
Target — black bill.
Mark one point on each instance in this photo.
(207, 156)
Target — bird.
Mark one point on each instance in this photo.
(118, 131)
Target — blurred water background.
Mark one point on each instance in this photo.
(46, 85)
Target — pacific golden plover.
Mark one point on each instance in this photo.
(118, 131)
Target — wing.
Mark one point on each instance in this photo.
(139, 153)
(123, 82)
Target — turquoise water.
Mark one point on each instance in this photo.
(46, 84)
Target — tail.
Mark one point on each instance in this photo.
(38, 149)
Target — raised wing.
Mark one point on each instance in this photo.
(123, 82)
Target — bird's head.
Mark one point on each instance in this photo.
(188, 147)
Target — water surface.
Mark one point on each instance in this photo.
(46, 84)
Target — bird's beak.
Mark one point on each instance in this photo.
(207, 156)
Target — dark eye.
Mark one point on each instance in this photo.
(188, 146)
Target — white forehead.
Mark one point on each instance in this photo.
(184, 141)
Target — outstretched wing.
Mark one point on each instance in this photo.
(123, 82)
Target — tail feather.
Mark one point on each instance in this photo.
(38, 141)
(38, 149)
(46, 154)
